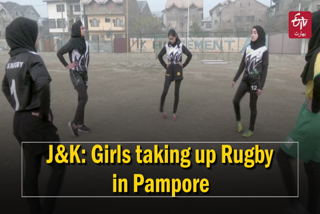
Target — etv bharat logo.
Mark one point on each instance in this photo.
(300, 24)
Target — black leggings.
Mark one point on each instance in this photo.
(32, 170)
(167, 84)
(312, 170)
(82, 101)
(242, 90)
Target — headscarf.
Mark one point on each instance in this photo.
(78, 41)
(261, 41)
(313, 49)
(21, 35)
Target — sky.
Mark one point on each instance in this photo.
(155, 5)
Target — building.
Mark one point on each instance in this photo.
(177, 14)
(161, 16)
(279, 12)
(206, 24)
(239, 16)
(215, 14)
(11, 10)
(62, 15)
(284, 6)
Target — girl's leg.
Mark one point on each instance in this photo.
(253, 108)
(166, 87)
(176, 95)
(242, 90)
(82, 101)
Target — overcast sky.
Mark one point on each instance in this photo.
(155, 5)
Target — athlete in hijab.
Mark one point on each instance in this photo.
(78, 50)
(26, 85)
(255, 63)
(306, 131)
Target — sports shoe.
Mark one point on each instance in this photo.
(164, 115)
(248, 134)
(73, 128)
(239, 125)
(85, 129)
(174, 117)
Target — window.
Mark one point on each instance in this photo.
(107, 19)
(95, 38)
(118, 22)
(208, 25)
(101, 37)
(318, 7)
(216, 22)
(118, 36)
(108, 35)
(239, 18)
(52, 23)
(249, 18)
(17, 14)
(249, 3)
(60, 23)
(76, 8)
(60, 8)
(94, 22)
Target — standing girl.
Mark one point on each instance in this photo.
(174, 69)
(306, 131)
(78, 50)
(255, 62)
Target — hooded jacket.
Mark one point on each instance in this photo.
(78, 49)
(26, 80)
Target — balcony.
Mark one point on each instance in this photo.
(73, 13)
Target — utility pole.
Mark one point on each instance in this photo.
(62, 20)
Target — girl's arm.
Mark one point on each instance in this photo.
(189, 55)
(265, 64)
(241, 68)
(160, 57)
(65, 49)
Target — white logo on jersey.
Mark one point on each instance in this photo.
(14, 65)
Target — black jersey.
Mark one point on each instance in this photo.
(254, 62)
(25, 83)
(82, 60)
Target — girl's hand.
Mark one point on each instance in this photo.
(259, 92)
(168, 65)
(309, 105)
(71, 66)
(233, 84)
(180, 63)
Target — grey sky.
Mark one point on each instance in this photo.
(155, 5)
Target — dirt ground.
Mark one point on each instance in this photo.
(123, 105)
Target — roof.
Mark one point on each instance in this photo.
(207, 19)
(158, 14)
(142, 4)
(101, 1)
(221, 5)
(181, 4)
(25, 8)
(9, 6)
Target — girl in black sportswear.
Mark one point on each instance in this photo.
(174, 69)
(78, 50)
(254, 63)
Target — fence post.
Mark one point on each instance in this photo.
(99, 45)
(282, 43)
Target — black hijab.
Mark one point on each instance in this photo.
(78, 41)
(21, 35)
(313, 49)
(261, 41)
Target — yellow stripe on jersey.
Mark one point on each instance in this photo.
(310, 84)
